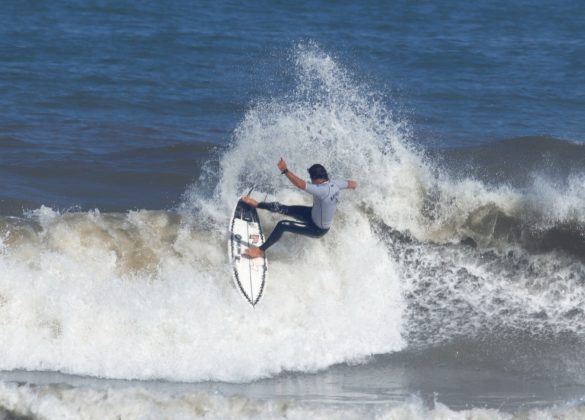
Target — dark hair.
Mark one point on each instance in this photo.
(317, 171)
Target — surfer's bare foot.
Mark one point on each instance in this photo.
(253, 252)
(249, 201)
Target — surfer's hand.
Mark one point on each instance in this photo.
(281, 164)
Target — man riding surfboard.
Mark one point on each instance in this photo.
(312, 221)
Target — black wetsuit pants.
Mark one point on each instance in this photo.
(305, 225)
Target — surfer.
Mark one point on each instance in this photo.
(311, 221)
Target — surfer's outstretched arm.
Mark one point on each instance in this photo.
(352, 185)
(296, 181)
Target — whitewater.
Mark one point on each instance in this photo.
(115, 295)
(419, 259)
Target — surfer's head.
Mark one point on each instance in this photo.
(317, 171)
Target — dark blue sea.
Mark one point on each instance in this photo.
(451, 285)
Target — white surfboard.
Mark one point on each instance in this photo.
(249, 273)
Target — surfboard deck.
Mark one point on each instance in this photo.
(249, 274)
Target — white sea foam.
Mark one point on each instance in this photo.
(62, 402)
(149, 294)
(144, 295)
(331, 119)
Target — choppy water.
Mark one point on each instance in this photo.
(452, 283)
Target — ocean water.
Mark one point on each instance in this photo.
(452, 284)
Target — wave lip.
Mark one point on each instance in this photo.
(523, 192)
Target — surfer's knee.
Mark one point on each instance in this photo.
(284, 225)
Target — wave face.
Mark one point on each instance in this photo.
(424, 255)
